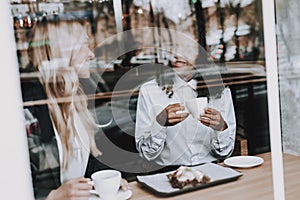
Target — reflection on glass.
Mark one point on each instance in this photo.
(156, 35)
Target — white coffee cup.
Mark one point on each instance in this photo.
(107, 183)
(196, 106)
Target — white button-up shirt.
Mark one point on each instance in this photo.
(188, 142)
(81, 150)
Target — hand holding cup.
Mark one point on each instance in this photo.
(107, 183)
(76, 188)
(172, 115)
(213, 118)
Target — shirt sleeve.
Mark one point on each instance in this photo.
(222, 143)
(150, 136)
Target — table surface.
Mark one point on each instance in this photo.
(256, 183)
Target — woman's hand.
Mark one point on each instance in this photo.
(213, 119)
(124, 184)
(78, 189)
(170, 115)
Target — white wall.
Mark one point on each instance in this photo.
(14, 169)
(288, 28)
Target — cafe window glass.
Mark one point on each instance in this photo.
(128, 36)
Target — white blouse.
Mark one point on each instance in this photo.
(186, 143)
(78, 162)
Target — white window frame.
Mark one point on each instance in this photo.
(15, 167)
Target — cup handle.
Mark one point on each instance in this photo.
(93, 191)
(91, 183)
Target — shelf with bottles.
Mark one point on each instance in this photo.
(26, 13)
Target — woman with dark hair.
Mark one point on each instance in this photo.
(165, 132)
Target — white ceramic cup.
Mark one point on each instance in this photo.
(107, 183)
(196, 106)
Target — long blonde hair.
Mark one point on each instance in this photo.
(54, 46)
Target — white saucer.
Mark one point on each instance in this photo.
(243, 161)
(122, 195)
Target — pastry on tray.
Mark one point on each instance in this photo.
(187, 176)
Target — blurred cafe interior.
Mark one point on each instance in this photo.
(129, 39)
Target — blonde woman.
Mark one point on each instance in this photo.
(63, 152)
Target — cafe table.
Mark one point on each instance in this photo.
(255, 183)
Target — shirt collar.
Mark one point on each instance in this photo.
(179, 82)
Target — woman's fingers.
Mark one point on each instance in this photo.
(125, 185)
(81, 194)
(73, 189)
(170, 115)
(213, 119)
(82, 184)
(205, 120)
(175, 120)
(85, 186)
(80, 187)
(208, 122)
